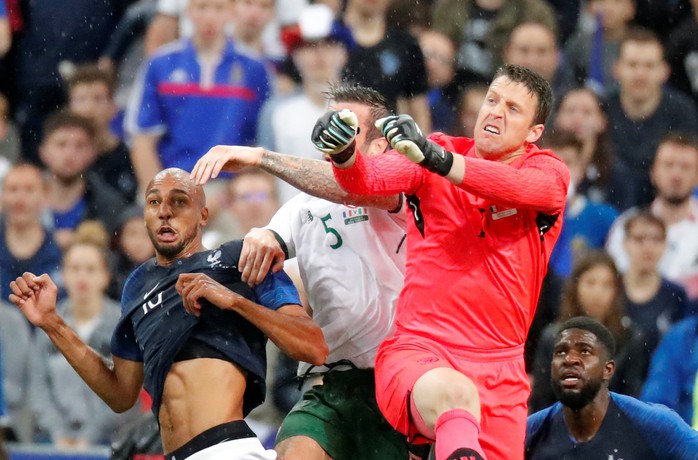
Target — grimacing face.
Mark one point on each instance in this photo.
(505, 121)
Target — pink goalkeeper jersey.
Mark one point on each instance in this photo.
(476, 253)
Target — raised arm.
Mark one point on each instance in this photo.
(314, 177)
(118, 386)
(289, 327)
(541, 183)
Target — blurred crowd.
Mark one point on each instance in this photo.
(96, 96)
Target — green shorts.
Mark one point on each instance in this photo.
(342, 416)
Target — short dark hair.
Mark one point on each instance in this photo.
(640, 35)
(355, 93)
(680, 138)
(90, 73)
(647, 217)
(535, 83)
(603, 335)
(60, 120)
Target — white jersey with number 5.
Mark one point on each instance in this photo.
(352, 263)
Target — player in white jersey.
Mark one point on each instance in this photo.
(338, 247)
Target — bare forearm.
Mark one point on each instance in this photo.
(297, 336)
(90, 366)
(315, 177)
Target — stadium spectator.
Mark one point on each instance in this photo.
(91, 95)
(15, 336)
(640, 114)
(682, 54)
(77, 34)
(591, 54)
(470, 100)
(387, 60)
(74, 192)
(252, 202)
(533, 44)
(319, 49)
(5, 31)
(65, 408)
(672, 379)
(592, 422)
(439, 59)
(194, 94)
(132, 247)
(25, 243)
(481, 28)
(586, 222)
(594, 289)
(652, 302)
(10, 148)
(674, 175)
(581, 111)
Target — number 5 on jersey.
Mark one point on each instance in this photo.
(330, 230)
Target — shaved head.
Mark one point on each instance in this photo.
(175, 215)
(186, 183)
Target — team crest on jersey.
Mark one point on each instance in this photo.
(178, 76)
(237, 74)
(214, 258)
(308, 218)
(352, 216)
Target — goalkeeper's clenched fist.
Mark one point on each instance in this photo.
(335, 134)
(404, 135)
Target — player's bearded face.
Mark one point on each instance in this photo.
(577, 399)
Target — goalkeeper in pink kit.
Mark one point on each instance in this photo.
(485, 215)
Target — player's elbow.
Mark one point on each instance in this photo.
(318, 352)
(121, 405)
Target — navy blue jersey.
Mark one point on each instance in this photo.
(154, 325)
(631, 430)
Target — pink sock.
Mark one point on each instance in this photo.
(457, 430)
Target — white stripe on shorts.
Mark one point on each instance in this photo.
(237, 449)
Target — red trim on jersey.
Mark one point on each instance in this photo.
(194, 89)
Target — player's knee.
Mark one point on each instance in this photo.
(444, 390)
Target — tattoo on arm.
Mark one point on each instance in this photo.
(315, 178)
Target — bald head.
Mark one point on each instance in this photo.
(184, 182)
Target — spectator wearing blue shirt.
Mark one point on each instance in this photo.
(674, 369)
(25, 244)
(194, 94)
(590, 422)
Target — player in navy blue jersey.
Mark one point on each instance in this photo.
(591, 422)
(205, 371)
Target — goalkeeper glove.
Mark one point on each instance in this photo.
(335, 134)
(404, 135)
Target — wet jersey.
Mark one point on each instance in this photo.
(154, 325)
(352, 262)
(476, 253)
